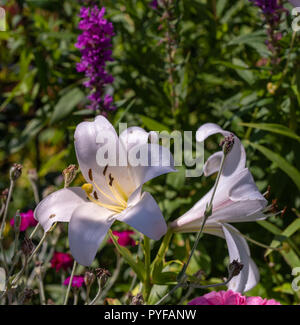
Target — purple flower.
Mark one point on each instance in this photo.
(27, 220)
(272, 11)
(77, 281)
(95, 46)
(154, 4)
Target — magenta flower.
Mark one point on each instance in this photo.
(261, 301)
(124, 238)
(27, 220)
(61, 261)
(77, 281)
(95, 46)
(230, 298)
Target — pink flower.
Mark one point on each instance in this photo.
(261, 301)
(220, 298)
(77, 281)
(124, 238)
(230, 298)
(61, 261)
(27, 220)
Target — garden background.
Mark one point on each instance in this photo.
(174, 68)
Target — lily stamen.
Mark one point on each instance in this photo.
(88, 188)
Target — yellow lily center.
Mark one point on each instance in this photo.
(118, 195)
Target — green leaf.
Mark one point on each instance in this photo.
(157, 292)
(137, 266)
(290, 170)
(275, 128)
(153, 125)
(247, 75)
(50, 164)
(66, 104)
(289, 255)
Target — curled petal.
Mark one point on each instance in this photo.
(146, 217)
(59, 206)
(236, 158)
(212, 164)
(88, 227)
(239, 250)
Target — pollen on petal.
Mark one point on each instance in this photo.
(88, 188)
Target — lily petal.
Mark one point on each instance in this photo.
(146, 217)
(154, 160)
(90, 139)
(235, 160)
(59, 206)
(212, 164)
(88, 227)
(135, 135)
(239, 250)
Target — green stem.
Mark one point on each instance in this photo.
(11, 187)
(147, 283)
(34, 231)
(70, 283)
(207, 213)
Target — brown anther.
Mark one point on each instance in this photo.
(111, 179)
(283, 212)
(235, 268)
(90, 175)
(32, 174)
(52, 216)
(95, 195)
(274, 207)
(104, 170)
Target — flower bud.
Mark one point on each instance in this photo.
(89, 278)
(227, 144)
(102, 275)
(137, 300)
(69, 174)
(32, 175)
(27, 247)
(15, 171)
(4, 194)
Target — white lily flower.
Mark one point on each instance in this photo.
(237, 199)
(111, 192)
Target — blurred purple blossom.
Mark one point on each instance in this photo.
(77, 281)
(272, 11)
(27, 220)
(95, 46)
